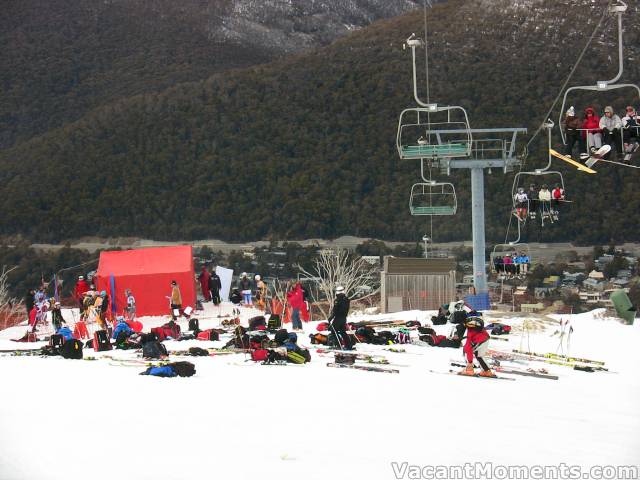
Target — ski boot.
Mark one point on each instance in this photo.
(468, 371)
(487, 373)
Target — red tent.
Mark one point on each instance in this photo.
(148, 273)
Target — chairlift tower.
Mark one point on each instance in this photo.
(442, 137)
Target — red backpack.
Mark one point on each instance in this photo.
(260, 355)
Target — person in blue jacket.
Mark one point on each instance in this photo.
(122, 327)
(65, 332)
(523, 261)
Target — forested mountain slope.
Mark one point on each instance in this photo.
(61, 58)
(305, 146)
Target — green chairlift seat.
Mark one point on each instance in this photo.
(433, 198)
(434, 132)
(434, 151)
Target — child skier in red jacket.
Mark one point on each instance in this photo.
(476, 345)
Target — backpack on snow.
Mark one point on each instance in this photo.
(154, 349)
(260, 355)
(183, 369)
(101, 341)
(256, 322)
(56, 340)
(72, 349)
(194, 325)
(274, 322)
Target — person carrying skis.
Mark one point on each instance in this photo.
(56, 316)
(104, 309)
(204, 278)
(338, 318)
(215, 285)
(476, 346)
(81, 288)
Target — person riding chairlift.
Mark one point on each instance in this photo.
(544, 197)
(522, 202)
(532, 194)
(557, 195)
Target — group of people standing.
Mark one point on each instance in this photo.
(210, 284)
(593, 131)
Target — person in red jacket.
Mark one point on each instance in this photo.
(204, 283)
(82, 287)
(591, 129)
(295, 299)
(476, 346)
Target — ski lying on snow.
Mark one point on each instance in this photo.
(515, 371)
(363, 367)
(558, 356)
(454, 372)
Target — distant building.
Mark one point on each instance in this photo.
(531, 307)
(593, 284)
(417, 283)
(372, 260)
(596, 275)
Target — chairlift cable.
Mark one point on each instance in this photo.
(525, 152)
(566, 82)
(426, 50)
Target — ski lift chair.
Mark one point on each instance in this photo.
(433, 198)
(434, 132)
(603, 85)
(548, 177)
(503, 249)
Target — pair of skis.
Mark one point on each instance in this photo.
(458, 374)
(530, 372)
(561, 357)
(368, 368)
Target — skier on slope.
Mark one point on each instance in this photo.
(338, 318)
(215, 285)
(476, 346)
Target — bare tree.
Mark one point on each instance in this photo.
(9, 307)
(280, 289)
(339, 267)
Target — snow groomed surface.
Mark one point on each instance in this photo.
(65, 419)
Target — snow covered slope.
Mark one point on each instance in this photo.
(62, 419)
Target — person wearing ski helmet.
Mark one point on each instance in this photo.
(522, 202)
(338, 318)
(476, 347)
